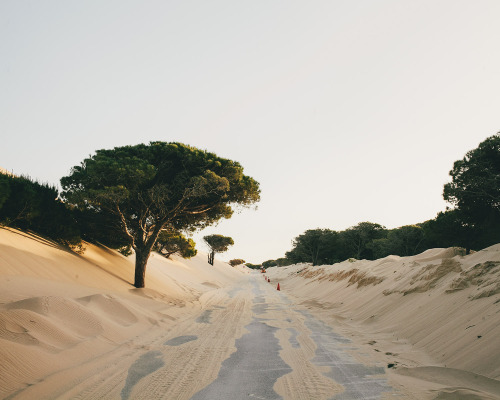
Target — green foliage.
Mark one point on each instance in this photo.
(447, 230)
(27, 204)
(4, 189)
(22, 205)
(475, 193)
(452, 229)
(365, 240)
(404, 241)
(100, 227)
(169, 243)
(217, 244)
(357, 239)
(475, 185)
(253, 266)
(282, 262)
(269, 263)
(161, 186)
(314, 246)
(235, 262)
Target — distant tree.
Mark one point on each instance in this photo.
(169, 243)
(475, 185)
(146, 189)
(407, 240)
(448, 229)
(217, 244)
(27, 204)
(235, 262)
(380, 248)
(316, 246)
(253, 266)
(4, 189)
(282, 262)
(357, 239)
(22, 205)
(269, 263)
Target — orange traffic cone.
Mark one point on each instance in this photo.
(278, 288)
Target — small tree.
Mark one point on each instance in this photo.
(217, 244)
(235, 262)
(169, 243)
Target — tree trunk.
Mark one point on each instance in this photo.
(141, 259)
(211, 257)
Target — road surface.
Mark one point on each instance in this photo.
(247, 342)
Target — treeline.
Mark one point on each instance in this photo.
(473, 223)
(371, 241)
(28, 205)
(32, 206)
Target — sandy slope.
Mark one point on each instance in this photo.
(64, 316)
(73, 326)
(435, 316)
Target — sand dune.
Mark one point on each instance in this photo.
(59, 309)
(73, 326)
(435, 317)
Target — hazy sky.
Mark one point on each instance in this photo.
(344, 110)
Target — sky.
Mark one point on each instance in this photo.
(344, 111)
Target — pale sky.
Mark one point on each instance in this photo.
(345, 111)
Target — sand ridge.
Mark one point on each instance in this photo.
(438, 309)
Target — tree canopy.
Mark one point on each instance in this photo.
(170, 243)
(474, 191)
(315, 246)
(27, 204)
(236, 261)
(269, 263)
(253, 266)
(217, 244)
(145, 189)
(475, 184)
(358, 238)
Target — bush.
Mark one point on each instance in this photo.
(26, 204)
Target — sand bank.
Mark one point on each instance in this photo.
(64, 315)
(433, 317)
(74, 326)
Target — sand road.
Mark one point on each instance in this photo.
(248, 342)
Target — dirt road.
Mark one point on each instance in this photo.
(247, 342)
